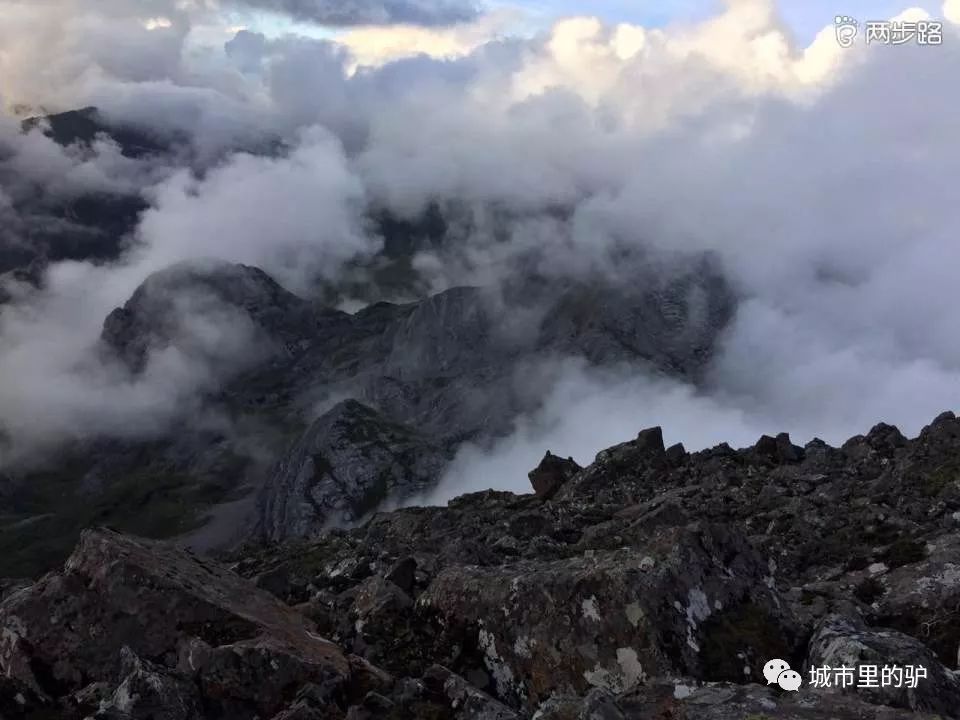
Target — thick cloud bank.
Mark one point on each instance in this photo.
(821, 177)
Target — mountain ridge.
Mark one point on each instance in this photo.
(651, 584)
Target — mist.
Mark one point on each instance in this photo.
(821, 178)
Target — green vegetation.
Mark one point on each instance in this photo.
(51, 512)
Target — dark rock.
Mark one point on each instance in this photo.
(676, 454)
(151, 692)
(787, 452)
(71, 629)
(551, 474)
(303, 711)
(18, 700)
(540, 625)
(256, 676)
(650, 441)
(766, 446)
(778, 449)
(8, 586)
(844, 642)
(466, 701)
(885, 439)
(722, 701)
(403, 574)
(921, 598)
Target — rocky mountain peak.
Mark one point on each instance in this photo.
(159, 312)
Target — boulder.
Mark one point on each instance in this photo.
(612, 619)
(551, 474)
(125, 607)
(466, 701)
(845, 642)
(151, 692)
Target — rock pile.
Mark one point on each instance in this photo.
(653, 584)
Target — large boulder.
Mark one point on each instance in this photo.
(846, 642)
(921, 597)
(691, 601)
(550, 474)
(135, 610)
(725, 701)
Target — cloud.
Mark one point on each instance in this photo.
(377, 45)
(821, 178)
(371, 12)
(56, 387)
(298, 217)
(587, 410)
(951, 11)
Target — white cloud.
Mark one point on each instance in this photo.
(820, 176)
(375, 45)
(951, 11)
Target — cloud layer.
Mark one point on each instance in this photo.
(820, 177)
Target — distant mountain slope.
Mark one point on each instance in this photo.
(87, 124)
(447, 367)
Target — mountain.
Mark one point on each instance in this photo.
(44, 225)
(652, 584)
(85, 125)
(422, 378)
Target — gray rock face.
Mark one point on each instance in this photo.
(539, 622)
(670, 319)
(344, 466)
(842, 642)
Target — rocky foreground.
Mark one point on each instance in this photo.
(653, 584)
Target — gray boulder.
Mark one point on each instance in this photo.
(844, 642)
(687, 600)
(119, 600)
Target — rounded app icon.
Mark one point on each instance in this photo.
(773, 668)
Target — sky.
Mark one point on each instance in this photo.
(803, 18)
